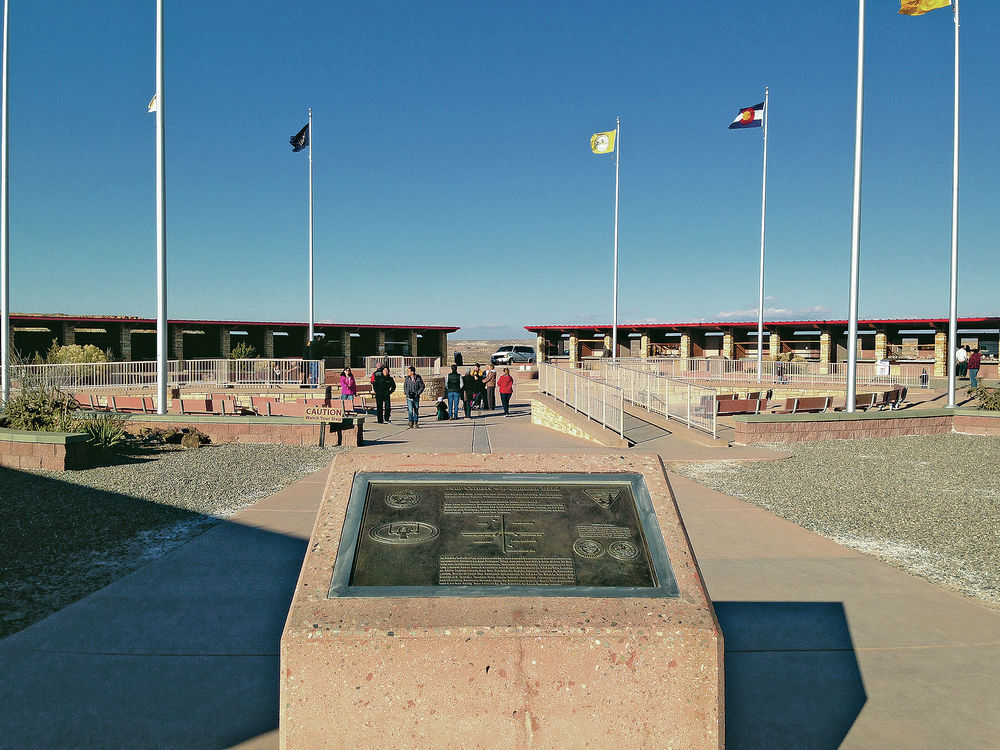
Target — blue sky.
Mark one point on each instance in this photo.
(453, 178)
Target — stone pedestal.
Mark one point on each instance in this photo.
(483, 669)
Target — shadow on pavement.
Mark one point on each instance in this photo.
(792, 677)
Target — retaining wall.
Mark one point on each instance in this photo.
(55, 451)
(259, 430)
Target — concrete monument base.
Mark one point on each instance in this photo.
(511, 671)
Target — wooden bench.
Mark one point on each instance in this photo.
(198, 406)
(132, 404)
(725, 407)
(892, 399)
(809, 405)
(862, 402)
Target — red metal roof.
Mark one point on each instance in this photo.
(62, 318)
(783, 323)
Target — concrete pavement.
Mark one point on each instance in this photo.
(824, 647)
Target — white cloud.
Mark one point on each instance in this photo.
(775, 313)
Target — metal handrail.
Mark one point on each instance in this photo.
(186, 372)
(596, 400)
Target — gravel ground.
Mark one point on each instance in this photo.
(63, 535)
(928, 505)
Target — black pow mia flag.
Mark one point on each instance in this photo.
(300, 140)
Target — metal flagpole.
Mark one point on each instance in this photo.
(760, 296)
(161, 224)
(852, 326)
(953, 311)
(614, 314)
(311, 322)
(4, 235)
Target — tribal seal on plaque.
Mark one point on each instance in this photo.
(588, 548)
(402, 499)
(623, 551)
(404, 532)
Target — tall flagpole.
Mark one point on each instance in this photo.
(760, 296)
(311, 322)
(852, 326)
(614, 314)
(4, 235)
(953, 312)
(161, 224)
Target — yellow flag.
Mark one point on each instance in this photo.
(602, 143)
(919, 7)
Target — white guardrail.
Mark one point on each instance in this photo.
(186, 372)
(424, 366)
(593, 398)
(819, 374)
(688, 403)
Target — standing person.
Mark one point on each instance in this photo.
(974, 359)
(453, 389)
(383, 385)
(477, 385)
(961, 360)
(348, 385)
(468, 392)
(413, 386)
(490, 383)
(505, 384)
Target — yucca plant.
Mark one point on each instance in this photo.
(106, 428)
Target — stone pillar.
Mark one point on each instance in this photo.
(940, 354)
(728, 344)
(413, 343)
(825, 348)
(774, 346)
(225, 342)
(644, 346)
(607, 345)
(881, 344)
(444, 350)
(685, 345)
(540, 348)
(125, 342)
(68, 334)
(176, 336)
(345, 340)
(380, 341)
(574, 353)
(269, 343)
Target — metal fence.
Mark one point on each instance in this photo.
(185, 372)
(424, 366)
(806, 374)
(597, 400)
(689, 403)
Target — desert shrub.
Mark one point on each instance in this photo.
(73, 354)
(243, 350)
(988, 396)
(106, 429)
(40, 407)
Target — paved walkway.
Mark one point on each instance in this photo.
(824, 647)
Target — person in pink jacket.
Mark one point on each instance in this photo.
(348, 386)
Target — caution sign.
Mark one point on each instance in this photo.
(325, 413)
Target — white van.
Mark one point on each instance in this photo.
(512, 355)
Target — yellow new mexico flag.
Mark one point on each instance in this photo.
(602, 143)
(919, 7)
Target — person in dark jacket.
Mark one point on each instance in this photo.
(453, 389)
(413, 386)
(442, 409)
(470, 387)
(383, 386)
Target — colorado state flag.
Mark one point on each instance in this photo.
(749, 117)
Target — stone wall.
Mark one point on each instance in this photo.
(269, 430)
(974, 424)
(55, 451)
(808, 427)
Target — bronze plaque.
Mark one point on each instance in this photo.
(552, 531)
